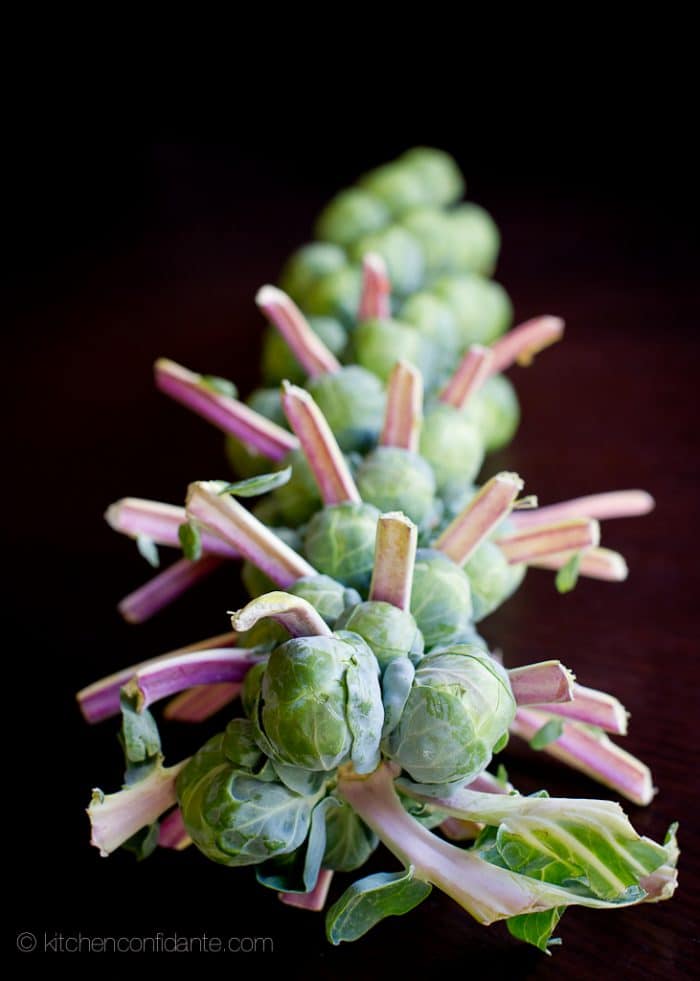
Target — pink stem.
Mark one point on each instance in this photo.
(294, 613)
(134, 516)
(309, 350)
(591, 753)
(375, 300)
(472, 372)
(166, 587)
(487, 783)
(167, 676)
(596, 563)
(314, 900)
(223, 516)
(525, 341)
(404, 408)
(172, 832)
(201, 702)
(319, 445)
(572, 535)
(457, 829)
(535, 684)
(614, 504)
(595, 708)
(394, 560)
(226, 413)
(484, 512)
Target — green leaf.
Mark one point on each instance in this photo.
(502, 775)
(548, 733)
(139, 735)
(144, 842)
(567, 577)
(372, 899)
(536, 928)
(148, 550)
(396, 687)
(220, 385)
(299, 871)
(255, 486)
(191, 541)
(349, 842)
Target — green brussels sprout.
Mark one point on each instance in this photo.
(255, 581)
(337, 295)
(402, 253)
(481, 307)
(452, 445)
(394, 479)
(353, 401)
(474, 240)
(492, 579)
(349, 842)
(458, 711)
(243, 460)
(278, 362)
(436, 322)
(251, 685)
(441, 599)
(268, 403)
(350, 215)
(307, 265)
(339, 541)
(433, 230)
(379, 344)
(320, 704)
(495, 411)
(299, 498)
(399, 187)
(441, 177)
(389, 631)
(233, 815)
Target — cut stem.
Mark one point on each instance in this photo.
(534, 543)
(375, 300)
(306, 346)
(595, 563)
(595, 708)
(484, 512)
(314, 900)
(228, 414)
(404, 408)
(172, 832)
(394, 560)
(294, 613)
(614, 504)
(134, 516)
(471, 373)
(319, 445)
(548, 681)
(201, 702)
(525, 341)
(165, 587)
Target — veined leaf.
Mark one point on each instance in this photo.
(254, 486)
(548, 733)
(536, 928)
(372, 899)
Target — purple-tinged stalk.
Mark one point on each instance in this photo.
(394, 560)
(564, 536)
(613, 504)
(100, 700)
(313, 901)
(404, 408)
(484, 512)
(114, 818)
(309, 350)
(525, 341)
(592, 753)
(471, 373)
(222, 516)
(134, 516)
(201, 702)
(292, 612)
(165, 587)
(319, 445)
(375, 299)
(594, 708)
(595, 563)
(228, 414)
(172, 832)
(548, 681)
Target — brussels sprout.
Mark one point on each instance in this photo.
(320, 704)
(349, 842)
(339, 541)
(474, 240)
(458, 711)
(452, 445)
(350, 215)
(337, 295)
(441, 177)
(308, 265)
(441, 598)
(433, 230)
(389, 631)
(402, 253)
(436, 322)
(379, 344)
(399, 187)
(255, 581)
(353, 401)
(394, 479)
(495, 411)
(244, 461)
(492, 579)
(299, 498)
(268, 403)
(481, 307)
(252, 683)
(278, 362)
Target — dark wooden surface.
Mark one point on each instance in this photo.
(168, 264)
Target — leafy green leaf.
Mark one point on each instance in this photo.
(220, 385)
(372, 899)
(546, 734)
(144, 842)
(191, 541)
(536, 928)
(148, 550)
(140, 740)
(567, 577)
(396, 687)
(349, 842)
(254, 486)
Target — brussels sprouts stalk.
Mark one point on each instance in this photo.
(201, 702)
(484, 512)
(165, 587)
(134, 516)
(228, 414)
(613, 504)
(314, 900)
(591, 753)
(533, 543)
(309, 350)
(595, 708)
(404, 408)
(595, 563)
(375, 300)
(525, 341)
(472, 372)
(172, 832)
(294, 613)
(319, 446)
(394, 559)
(114, 818)
(535, 684)
(100, 700)
(224, 517)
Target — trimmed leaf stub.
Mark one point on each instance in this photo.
(372, 899)
(292, 612)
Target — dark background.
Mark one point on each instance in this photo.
(122, 251)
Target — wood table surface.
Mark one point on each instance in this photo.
(173, 272)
